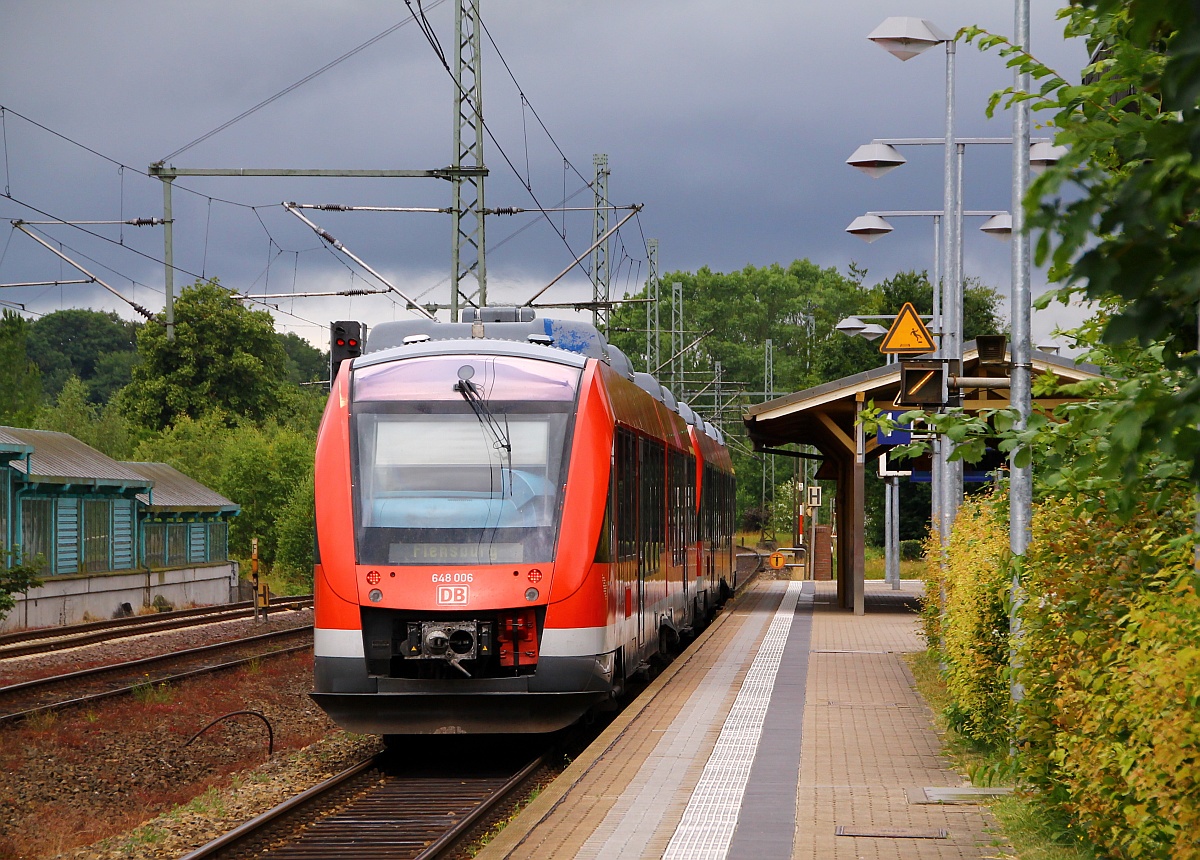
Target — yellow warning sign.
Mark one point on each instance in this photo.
(908, 334)
(776, 560)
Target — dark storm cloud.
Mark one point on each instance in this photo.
(730, 121)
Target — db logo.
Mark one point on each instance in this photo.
(453, 595)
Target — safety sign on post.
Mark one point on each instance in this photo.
(908, 334)
(776, 560)
(814, 497)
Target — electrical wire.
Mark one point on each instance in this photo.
(140, 254)
(311, 76)
(504, 154)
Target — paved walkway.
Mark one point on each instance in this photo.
(787, 720)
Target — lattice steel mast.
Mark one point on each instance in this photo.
(653, 342)
(468, 248)
(600, 277)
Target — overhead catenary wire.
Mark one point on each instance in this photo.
(135, 251)
(306, 79)
(423, 22)
(140, 222)
(432, 39)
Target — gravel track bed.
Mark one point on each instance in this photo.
(13, 670)
(116, 779)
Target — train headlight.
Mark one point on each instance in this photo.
(535, 575)
(373, 577)
(531, 594)
(375, 595)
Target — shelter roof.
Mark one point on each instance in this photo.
(175, 491)
(12, 445)
(59, 458)
(823, 416)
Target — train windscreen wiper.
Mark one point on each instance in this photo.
(479, 406)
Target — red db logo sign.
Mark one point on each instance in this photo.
(453, 595)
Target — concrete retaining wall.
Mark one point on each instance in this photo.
(65, 599)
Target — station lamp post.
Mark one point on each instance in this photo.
(869, 228)
(905, 38)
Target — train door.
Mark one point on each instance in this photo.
(645, 475)
(629, 564)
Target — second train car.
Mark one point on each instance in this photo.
(510, 524)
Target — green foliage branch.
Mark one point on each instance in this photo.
(17, 576)
(1117, 213)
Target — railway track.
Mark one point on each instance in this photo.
(19, 701)
(382, 809)
(43, 640)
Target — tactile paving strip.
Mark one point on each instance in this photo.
(708, 823)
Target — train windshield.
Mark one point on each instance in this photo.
(461, 459)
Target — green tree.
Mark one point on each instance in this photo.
(20, 380)
(224, 357)
(258, 467)
(797, 307)
(296, 530)
(105, 427)
(17, 576)
(306, 363)
(96, 347)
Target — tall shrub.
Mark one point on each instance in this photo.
(971, 626)
(1109, 723)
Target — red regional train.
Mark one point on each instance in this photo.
(510, 524)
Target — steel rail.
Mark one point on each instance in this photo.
(22, 643)
(134, 666)
(310, 803)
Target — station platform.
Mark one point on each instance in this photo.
(789, 729)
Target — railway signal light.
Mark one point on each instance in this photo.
(345, 341)
(922, 383)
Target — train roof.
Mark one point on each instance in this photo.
(518, 331)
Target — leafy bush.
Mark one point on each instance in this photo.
(17, 576)
(968, 620)
(910, 550)
(296, 527)
(1111, 671)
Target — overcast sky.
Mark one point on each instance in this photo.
(730, 122)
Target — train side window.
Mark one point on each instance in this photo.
(626, 494)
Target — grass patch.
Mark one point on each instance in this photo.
(143, 836)
(149, 693)
(874, 566)
(499, 826)
(42, 721)
(1036, 833)
(211, 802)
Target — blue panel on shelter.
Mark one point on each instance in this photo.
(902, 435)
(67, 522)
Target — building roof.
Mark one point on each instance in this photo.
(175, 491)
(51, 457)
(13, 445)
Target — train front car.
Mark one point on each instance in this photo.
(452, 593)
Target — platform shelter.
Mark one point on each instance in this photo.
(825, 417)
